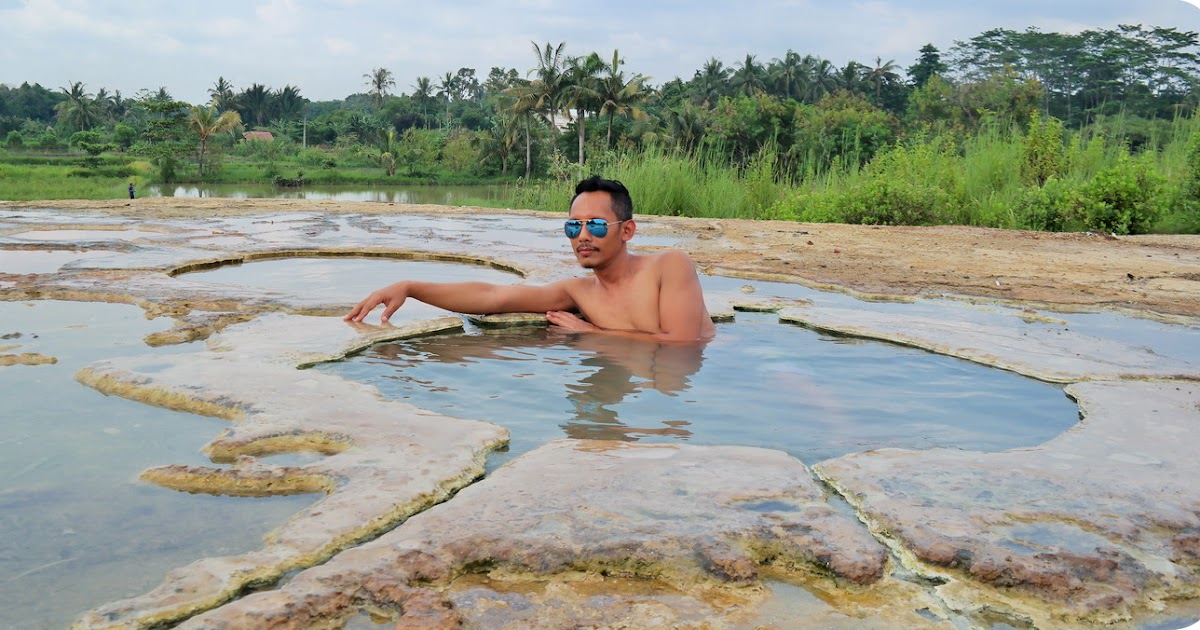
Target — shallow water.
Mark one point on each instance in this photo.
(79, 527)
(759, 383)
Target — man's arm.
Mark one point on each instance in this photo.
(478, 298)
(682, 314)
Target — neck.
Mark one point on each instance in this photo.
(616, 270)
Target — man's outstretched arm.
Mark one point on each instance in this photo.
(477, 298)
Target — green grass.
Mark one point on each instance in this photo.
(23, 182)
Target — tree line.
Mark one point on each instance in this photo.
(808, 112)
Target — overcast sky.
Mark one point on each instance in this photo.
(324, 47)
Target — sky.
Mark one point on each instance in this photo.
(324, 47)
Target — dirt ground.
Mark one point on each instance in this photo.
(1155, 275)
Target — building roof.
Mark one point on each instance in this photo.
(258, 135)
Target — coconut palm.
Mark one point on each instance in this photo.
(207, 123)
(221, 95)
(883, 74)
(710, 82)
(619, 95)
(423, 95)
(524, 106)
(748, 77)
(550, 78)
(447, 88)
(79, 111)
(581, 91)
(379, 80)
(788, 73)
(823, 79)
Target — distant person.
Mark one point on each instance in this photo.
(649, 296)
(131, 190)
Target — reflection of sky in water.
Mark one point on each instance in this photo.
(343, 280)
(1181, 342)
(67, 236)
(41, 261)
(79, 528)
(759, 383)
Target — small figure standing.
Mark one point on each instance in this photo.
(131, 190)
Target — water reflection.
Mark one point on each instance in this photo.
(623, 368)
(609, 369)
(440, 195)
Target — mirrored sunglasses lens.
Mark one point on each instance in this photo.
(598, 227)
(572, 228)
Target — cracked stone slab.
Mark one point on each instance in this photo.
(1098, 525)
(695, 517)
(384, 460)
(1050, 353)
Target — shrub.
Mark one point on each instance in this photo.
(1123, 199)
(14, 140)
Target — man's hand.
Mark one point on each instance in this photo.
(569, 321)
(392, 297)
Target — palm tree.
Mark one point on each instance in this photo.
(207, 123)
(287, 103)
(709, 83)
(501, 139)
(447, 88)
(581, 91)
(254, 103)
(78, 111)
(619, 95)
(525, 98)
(423, 94)
(853, 77)
(883, 73)
(748, 78)
(550, 78)
(824, 79)
(789, 71)
(221, 95)
(380, 80)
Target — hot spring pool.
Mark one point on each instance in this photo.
(759, 383)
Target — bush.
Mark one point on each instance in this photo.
(14, 140)
(167, 166)
(1123, 199)
(1047, 207)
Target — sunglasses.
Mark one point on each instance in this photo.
(597, 227)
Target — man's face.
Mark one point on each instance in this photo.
(590, 250)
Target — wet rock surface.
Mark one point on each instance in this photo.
(1098, 523)
(1097, 526)
(690, 517)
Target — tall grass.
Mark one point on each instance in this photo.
(21, 182)
(669, 182)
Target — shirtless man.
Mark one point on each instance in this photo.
(651, 296)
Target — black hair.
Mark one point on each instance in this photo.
(622, 203)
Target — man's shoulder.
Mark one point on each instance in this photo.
(668, 259)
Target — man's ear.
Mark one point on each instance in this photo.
(627, 229)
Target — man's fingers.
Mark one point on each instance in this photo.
(387, 312)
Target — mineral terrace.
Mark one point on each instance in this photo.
(1099, 526)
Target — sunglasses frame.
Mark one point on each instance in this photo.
(591, 225)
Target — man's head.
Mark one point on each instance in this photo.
(622, 203)
(601, 221)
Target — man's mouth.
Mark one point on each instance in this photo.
(584, 249)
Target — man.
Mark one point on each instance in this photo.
(650, 296)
